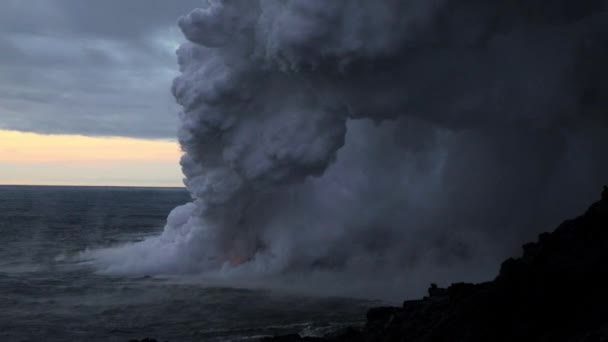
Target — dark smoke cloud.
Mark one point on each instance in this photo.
(380, 145)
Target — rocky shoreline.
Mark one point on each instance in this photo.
(557, 291)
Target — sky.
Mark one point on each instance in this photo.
(81, 80)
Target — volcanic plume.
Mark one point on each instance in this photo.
(400, 141)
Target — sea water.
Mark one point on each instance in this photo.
(46, 294)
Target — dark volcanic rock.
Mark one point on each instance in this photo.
(557, 291)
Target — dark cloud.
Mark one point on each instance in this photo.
(393, 142)
(89, 67)
(116, 18)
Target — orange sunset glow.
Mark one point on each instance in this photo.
(30, 158)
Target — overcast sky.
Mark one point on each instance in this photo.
(90, 67)
(98, 68)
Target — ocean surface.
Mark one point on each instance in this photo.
(46, 294)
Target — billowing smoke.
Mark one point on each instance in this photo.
(380, 145)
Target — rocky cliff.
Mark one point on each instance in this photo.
(557, 291)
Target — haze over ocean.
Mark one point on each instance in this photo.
(48, 294)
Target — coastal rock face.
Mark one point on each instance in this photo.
(557, 291)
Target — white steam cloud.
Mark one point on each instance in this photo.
(389, 142)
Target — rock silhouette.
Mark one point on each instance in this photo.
(557, 291)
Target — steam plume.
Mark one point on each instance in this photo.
(398, 140)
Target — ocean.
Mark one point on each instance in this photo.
(47, 294)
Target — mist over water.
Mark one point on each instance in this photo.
(374, 147)
(48, 295)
